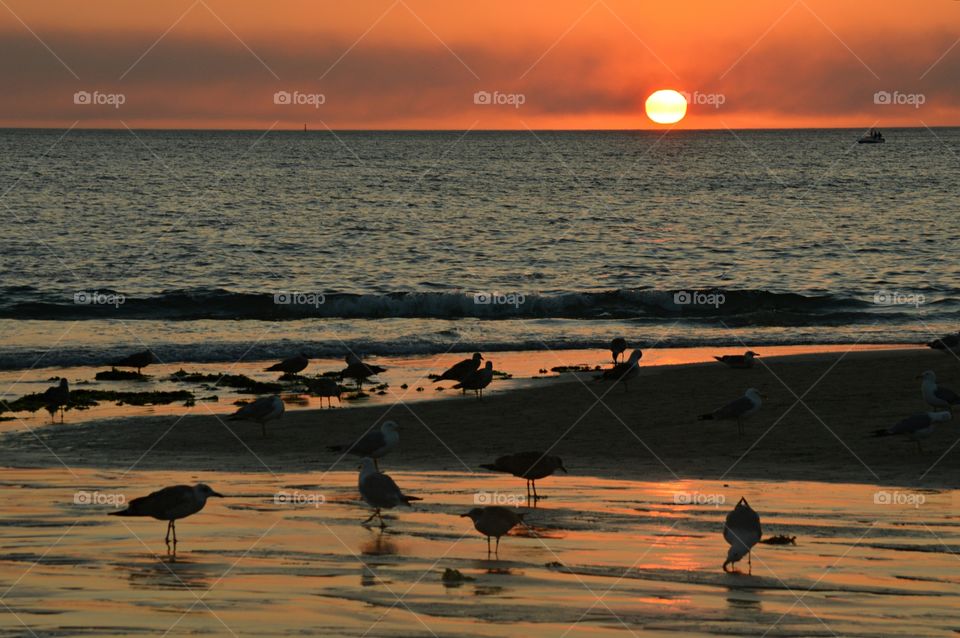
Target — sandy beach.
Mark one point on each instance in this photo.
(814, 425)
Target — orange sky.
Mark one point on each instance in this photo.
(417, 64)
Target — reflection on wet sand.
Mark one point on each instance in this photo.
(260, 567)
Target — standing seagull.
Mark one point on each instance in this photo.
(374, 445)
(617, 347)
(625, 371)
(461, 370)
(138, 360)
(738, 409)
(528, 465)
(379, 491)
(936, 395)
(324, 387)
(262, 410)
(916, 427)
(477, 380)
(493, 521)
(56, 398)
(742, 531)
(741, 361)
(292, 365)
(358, 370)
(170, 504)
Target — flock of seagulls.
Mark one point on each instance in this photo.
(742, 529)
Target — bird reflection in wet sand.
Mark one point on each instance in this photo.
(379, 545)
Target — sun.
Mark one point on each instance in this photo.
(666, 106)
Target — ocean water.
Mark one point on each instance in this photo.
(212, 246)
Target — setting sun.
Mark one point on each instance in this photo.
(666, 106)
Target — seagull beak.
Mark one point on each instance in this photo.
(216, 494)
(564, 469)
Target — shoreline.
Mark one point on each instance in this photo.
(650, 432)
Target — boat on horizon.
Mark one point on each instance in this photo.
(873, 136)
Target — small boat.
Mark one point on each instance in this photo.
(873, 136)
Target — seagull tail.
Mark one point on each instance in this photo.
(705, 417)
(877, 433)
(489, 466)
(126, 512)
(336, 448)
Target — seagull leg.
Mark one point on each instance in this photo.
(739, 426)
(376, 465)
(750, 563)
(488, 547)
(173, 526)
(497, 550)
(535, 497)
(372, 516)
(263, 429)
(167, 539)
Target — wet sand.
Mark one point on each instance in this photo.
(604, 558)
(814, 425)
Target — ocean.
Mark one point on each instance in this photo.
(215, 246)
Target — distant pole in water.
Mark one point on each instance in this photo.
(304, 127)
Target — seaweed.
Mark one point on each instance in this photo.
(240, 382)
(84, 399)
(120, 375)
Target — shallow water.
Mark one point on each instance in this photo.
(604, 557)
(525, 369)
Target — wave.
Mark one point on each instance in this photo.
(754, 306)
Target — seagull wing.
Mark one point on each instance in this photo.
(735, 408)
(911, 424)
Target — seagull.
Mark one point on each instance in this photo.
(493, 521)
(138, 360)
(358, 370)
(461, 370)
(379, 491)
(742, 531)
(738, 409)
(625, 371)
(741, 361)
(56, 398)
(527, 465)
(170, 504)
(292, 365)
(947, 343)
(374, 445)
(324, 387)
(262, 410)
(477, 380)
(617, 347)
(917, 427)
(936, 395)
